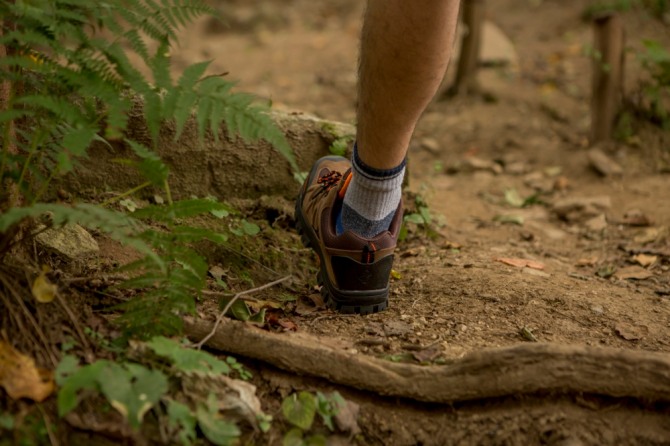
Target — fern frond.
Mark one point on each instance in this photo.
(180, 209)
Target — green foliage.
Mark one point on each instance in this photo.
(655, 60)
(300, 410)
(422, 218)
(187, 360)
(216, 429)
(133, 389)
(130, 388)
(72, 83)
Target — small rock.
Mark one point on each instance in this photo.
(603, 164)
(431, 145)
(630, 332)
(397, 328)
(71, 241)
(517, 168)
(581, 208)
(596, 224)
(597, 309)
(480, 164)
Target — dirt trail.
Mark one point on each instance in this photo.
(598, 247)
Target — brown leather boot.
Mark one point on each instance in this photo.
(354, 271)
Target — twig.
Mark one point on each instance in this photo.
(52, 439)
(75, 323)
(31, 319)
(226, 294)
(230, 304)
(89, 278)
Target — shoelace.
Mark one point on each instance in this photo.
(329, 180)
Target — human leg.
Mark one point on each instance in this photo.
(405, 49)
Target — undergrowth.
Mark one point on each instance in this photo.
(70, 83)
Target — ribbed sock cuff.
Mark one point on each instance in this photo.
(372, 198)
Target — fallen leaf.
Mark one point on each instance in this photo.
(603, 164)
(241, 399)
(396, 275)
(273, 319)
(43, 290)
(597, 223)
(217, 272)
(521, 263)
(317, 300)
(21, 378)
(527, 334)
(513, 198)
(645, 260)
(634, 273)
(587, 261)
(648, 235)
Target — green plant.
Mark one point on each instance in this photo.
(421, 218)
(300, 410)
(655, 60)
(71, 83)
(135, 388)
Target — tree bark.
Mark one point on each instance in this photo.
(523, 369)
(607, 75)
(468, 62)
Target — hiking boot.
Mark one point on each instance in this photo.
(354, 271)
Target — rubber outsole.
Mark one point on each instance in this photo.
(344, 302)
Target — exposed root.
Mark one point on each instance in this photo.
(522, 369)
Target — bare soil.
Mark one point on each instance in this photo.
(594, 249)
(453, 295)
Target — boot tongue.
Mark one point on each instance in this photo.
(344, 184)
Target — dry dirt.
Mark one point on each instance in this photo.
(528, 133)
(596, 249)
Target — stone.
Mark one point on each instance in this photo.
(603, 164)
(71, 241)
(581, 208)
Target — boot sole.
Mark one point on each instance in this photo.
(357, 302)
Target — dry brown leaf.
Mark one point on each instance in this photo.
(21, 378)
(645, 260)
(587, 261)
(633, 272)
(521, 263)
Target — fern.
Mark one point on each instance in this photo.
(75, 84)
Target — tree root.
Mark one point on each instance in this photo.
(523, 369)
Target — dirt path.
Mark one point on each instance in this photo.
(597, 247)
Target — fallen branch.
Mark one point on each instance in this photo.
(212, 332)
(522, 369)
